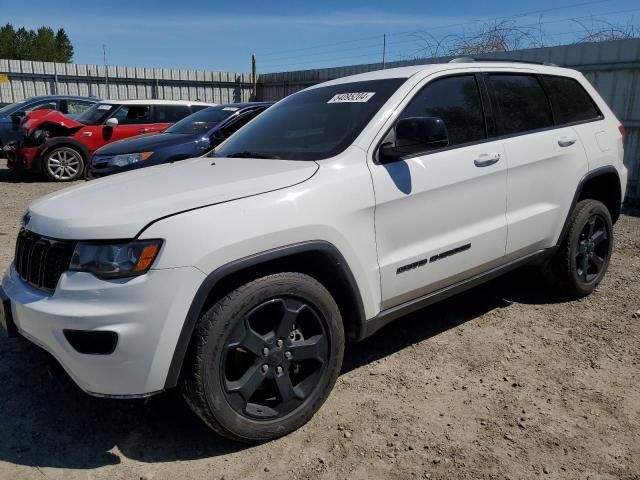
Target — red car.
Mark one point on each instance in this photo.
(60, 147)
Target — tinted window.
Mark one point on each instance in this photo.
(522, 103)
(569, 100)
(313, 124)
(456, 100)
(202, 121)
(133, 114)
(171, 113)
(237, 124)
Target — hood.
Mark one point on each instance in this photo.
(145, 143)
(120, 206)
(40, 117)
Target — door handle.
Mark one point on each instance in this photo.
(486, 159)
(566, 141)
(143, 130)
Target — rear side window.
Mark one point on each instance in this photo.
(569, 100)
(523, 106)
(456, 100)
(171, 113)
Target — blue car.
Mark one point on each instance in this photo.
(11, 115)
(190, 137)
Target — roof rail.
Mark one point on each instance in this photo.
(471, 59)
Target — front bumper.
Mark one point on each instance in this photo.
(146, 312)
(22, 158)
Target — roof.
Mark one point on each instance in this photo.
(245, 104)
(157, 102)
(61, 97)
(406, 72)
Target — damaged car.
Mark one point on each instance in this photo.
(60, 147)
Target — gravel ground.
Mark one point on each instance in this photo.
(504, 381)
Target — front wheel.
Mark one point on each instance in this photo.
(583, 257)
(63, 164)
(265, 357)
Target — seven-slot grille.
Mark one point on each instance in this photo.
(40, 261)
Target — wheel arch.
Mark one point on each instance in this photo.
(602, 184)
(318, 259)
(60, 142)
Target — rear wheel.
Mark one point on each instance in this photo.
(265, 357)
(63, 164)
(583, 257)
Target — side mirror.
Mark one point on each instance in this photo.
(415, 135)
(111, 122)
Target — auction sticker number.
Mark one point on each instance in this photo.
(352, 97)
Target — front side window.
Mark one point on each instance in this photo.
(569, 100)
(314, 124)
(522, 103)
(133, 114)
(455, 100)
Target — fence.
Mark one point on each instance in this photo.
(23, 79)
(612, 67)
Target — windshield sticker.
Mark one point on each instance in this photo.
(352, 97)
(230, 109)
(105, 107)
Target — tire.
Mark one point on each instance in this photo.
(63, 164)
(246, 385)
(583, 256)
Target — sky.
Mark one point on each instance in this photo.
(295, 35)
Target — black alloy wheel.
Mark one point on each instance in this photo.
(275, 357)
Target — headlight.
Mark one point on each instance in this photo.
(115, 260)
(129, 158)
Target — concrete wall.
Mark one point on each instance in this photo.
(26, 79)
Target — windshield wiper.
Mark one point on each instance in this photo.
(246, 154)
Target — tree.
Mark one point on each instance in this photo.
(64, 49)
(24, 44)
(7, 41)
(41, 45)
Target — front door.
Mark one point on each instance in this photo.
(440, 216)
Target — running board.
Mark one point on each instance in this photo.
(390, 314)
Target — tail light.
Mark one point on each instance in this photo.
(621, 128)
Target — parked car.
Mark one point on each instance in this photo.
(190, 137)
(60, 147)
(340, 208)
(12, 115)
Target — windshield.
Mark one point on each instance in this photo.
(96, 114)
(11, 107)
(313, 124)
(202, 120)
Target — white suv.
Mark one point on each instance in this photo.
(239, 275)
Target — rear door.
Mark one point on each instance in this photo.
(440, 215)
(545, 161)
